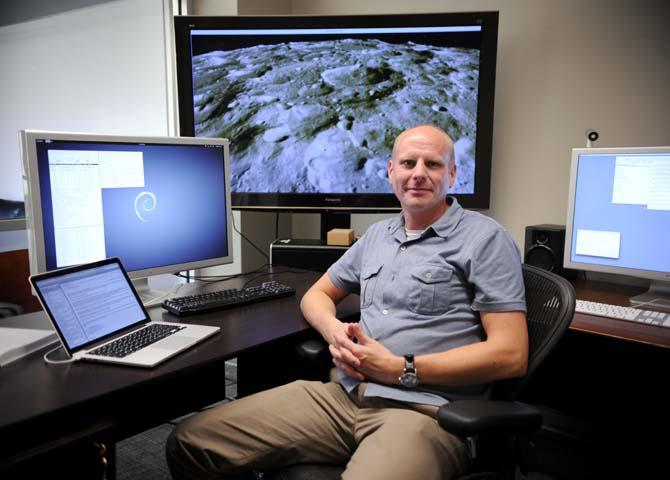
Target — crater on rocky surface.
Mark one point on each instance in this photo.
(322, 116)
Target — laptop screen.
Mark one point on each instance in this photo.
(91, 303)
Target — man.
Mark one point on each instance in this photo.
(442, 315)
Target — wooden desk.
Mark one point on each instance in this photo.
(44, 407)
(615, 294)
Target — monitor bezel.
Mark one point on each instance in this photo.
(354, 203)
(35, 280)
(588, 267)
(33, 197)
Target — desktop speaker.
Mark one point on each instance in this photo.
(306, 254)
(543, 248)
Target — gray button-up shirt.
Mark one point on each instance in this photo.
(424, 295)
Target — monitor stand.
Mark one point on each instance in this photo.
(656, 298)
(148, 295)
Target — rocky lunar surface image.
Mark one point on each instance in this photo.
(321, 116)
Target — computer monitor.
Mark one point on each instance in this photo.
(159, 204)
(312, 104)
(618, 218)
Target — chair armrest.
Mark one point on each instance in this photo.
(469, 417)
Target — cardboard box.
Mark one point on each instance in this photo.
(340, 236)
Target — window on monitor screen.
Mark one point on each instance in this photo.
(159, 204)
(618, 217)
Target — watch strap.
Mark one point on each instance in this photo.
(409, 363)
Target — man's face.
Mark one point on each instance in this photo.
(420, 171)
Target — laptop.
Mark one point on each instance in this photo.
(99, 317)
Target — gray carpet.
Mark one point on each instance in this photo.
(142, 457)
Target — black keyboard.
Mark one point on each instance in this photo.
(124, 346)
(206, 302)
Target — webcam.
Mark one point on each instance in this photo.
(591, 136)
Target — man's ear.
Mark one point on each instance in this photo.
(452, 173)
(389, 170)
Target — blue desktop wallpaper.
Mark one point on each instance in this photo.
(643, 231)
(179, 215)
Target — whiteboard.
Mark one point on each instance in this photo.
(105, 68)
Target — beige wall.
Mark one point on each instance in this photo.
(211, 7)
(563, 66)
(264, 7)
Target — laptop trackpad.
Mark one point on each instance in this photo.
(174, 342)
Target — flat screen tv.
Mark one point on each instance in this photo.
(312, 104)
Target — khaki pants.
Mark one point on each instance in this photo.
(314, 422)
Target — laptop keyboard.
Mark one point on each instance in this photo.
(124, 346)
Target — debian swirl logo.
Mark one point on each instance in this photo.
(145, 203)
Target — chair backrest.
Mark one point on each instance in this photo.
(550, 306)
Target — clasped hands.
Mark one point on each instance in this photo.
(362, 357)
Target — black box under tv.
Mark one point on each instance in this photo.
(305, 253)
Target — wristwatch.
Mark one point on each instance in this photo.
(409, 379)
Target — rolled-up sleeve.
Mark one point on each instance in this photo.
(345, 273)
(495, 272)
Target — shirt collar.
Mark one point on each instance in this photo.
(442, 227)
(447, 222)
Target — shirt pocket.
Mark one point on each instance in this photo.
(369, 278)
(430, 289)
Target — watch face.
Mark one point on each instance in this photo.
(409, 380)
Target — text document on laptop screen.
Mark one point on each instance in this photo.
(89, 304)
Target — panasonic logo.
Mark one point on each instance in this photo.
(333, 199)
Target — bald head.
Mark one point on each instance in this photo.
(421, 171)
(429, 134)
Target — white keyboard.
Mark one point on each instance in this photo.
(623, 313)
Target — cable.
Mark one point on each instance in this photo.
(159, 299)
(56, 362)
(223, 278)
(653, 302)
(274, 273)
(267, 259)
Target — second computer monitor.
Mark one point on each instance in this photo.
(619, 215)
(160, 204)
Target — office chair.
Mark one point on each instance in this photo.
(498, 430)
(10, 309)
(11, 209)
